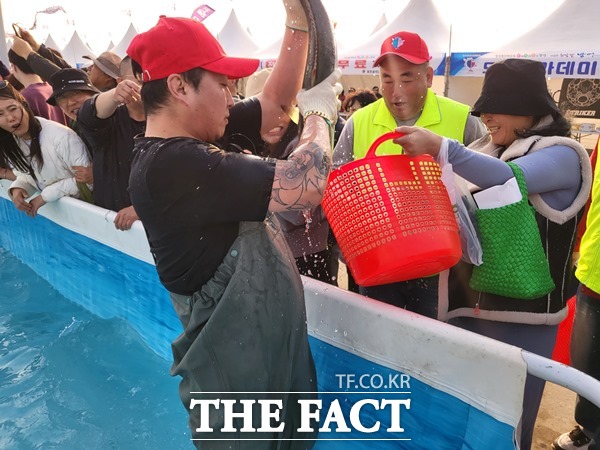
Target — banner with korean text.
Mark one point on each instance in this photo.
(583, 64)
(363, 65)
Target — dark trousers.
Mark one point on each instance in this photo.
(352, 286)
(585, 356)
(419, 295)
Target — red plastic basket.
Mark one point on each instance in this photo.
(392, 217)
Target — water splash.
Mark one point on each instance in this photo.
(71, 327)
(307, 219)
(308, 222)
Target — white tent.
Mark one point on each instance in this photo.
(419, 16)
(51, 43)
(271, 51)
(382, 23)
(566, 42)
(268, 55)
(110, 46)
(75, 50)
(121, 48)
(234, 39)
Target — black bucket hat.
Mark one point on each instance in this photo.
(66, 80)
(516, 87)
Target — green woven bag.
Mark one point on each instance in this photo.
(514, 262)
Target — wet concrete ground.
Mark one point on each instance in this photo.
(555, 416)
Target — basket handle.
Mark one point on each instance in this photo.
(380, 140)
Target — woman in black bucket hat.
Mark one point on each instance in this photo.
(516, 87)
(525, 127)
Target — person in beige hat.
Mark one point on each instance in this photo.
(104, 70)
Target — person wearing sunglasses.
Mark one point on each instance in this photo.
(40, 152)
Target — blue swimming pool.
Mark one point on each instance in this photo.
(84, 350)
(71, 380)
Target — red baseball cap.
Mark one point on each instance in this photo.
(407, 45)
(176, 45)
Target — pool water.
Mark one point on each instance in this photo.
(71, 380)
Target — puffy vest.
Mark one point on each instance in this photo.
(440, 114)
(558, 241)
(588, 268)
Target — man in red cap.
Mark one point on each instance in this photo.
(405, 79)
(230, 274)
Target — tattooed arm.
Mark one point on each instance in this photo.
(301, 179)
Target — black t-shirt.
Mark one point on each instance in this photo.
(243, 131)
(191, 197)
(111, 144)
(243, 128)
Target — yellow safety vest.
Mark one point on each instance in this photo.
(588, 268)
(441, 115)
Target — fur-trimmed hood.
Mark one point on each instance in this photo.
(532, 144)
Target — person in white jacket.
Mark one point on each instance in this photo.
(42, 154)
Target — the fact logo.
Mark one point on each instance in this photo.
(270, 411)
(365, 403)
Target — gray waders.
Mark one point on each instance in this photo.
(245, 331)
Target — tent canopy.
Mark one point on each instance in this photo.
(572, 52)
(577, 21)
(51, 43)
(234, 39)
(271, 51)
(380, 24)
(419, 16)
(75, 50)
(121, 48)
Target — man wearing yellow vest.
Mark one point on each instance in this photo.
(585, 335)
(406, 79)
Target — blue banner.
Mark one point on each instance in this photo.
(465, 63)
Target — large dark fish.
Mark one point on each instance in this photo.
(322, 51)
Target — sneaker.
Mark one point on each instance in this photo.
(575, 439)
